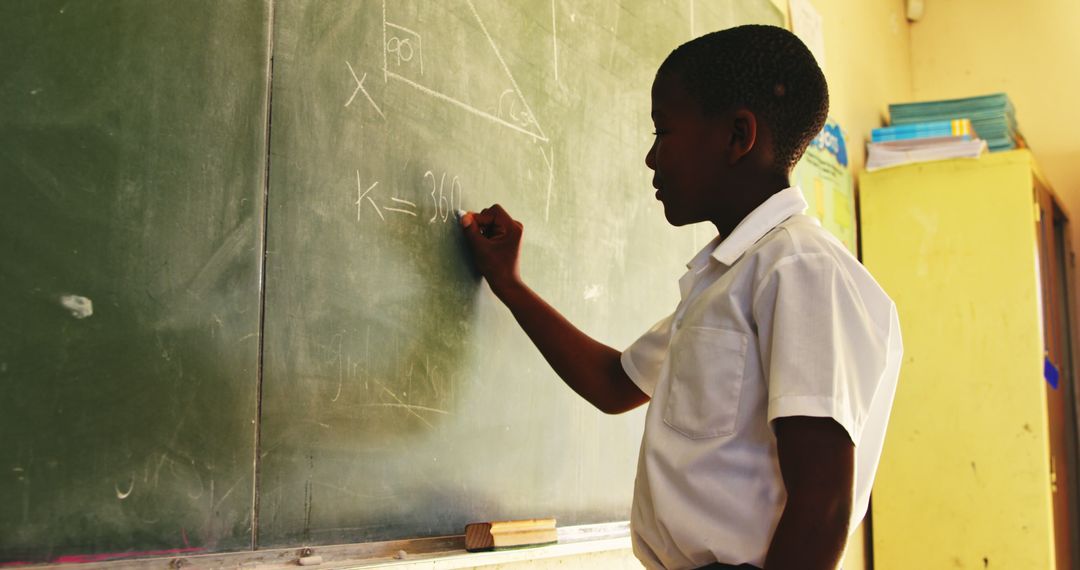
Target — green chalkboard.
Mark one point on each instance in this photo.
(400, 400)
(132, 159)
(165, 392)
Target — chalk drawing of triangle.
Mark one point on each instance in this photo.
(417, 50)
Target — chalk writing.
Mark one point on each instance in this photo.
(555, 42)
(406, 207)
(446, 196)
(362, 195)
(359, 89)
(399, 46)
(402, 61)
(505, 67)
(550, 162)
(513, 108)
(442, 200)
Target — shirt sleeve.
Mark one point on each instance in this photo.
(644, 359)
(823, 337)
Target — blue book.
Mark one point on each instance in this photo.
(930, 129)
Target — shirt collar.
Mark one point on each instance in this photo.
(762, 220)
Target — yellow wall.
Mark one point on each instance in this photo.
(867, 64)
(1029, 50)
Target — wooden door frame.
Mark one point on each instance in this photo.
(1064, 244)
(1059, 324)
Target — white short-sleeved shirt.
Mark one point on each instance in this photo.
(776, 320)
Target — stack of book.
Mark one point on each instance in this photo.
(921, 142)
(992, 116)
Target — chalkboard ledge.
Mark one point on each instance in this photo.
(438, 553)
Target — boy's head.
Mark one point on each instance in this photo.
(732, 108)
(765, 69)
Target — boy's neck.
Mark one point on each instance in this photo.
(755, 192)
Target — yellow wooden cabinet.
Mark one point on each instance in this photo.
(979, 461)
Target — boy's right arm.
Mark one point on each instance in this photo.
(590, 368)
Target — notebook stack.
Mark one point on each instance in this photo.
(992, 116)
(951, 128)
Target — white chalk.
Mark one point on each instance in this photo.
(401, 555)
(460, 213)
(310, 560)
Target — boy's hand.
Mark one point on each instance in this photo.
(495, 240)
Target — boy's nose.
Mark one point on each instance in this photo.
(650, 157)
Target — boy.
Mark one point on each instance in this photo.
(770, 386)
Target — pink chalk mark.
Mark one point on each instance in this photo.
(81, 558)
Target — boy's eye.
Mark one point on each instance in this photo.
(659, 132)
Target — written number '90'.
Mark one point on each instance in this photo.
(443, 199)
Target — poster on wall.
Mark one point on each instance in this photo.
(826, 181)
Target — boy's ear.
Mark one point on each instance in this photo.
(744, 134)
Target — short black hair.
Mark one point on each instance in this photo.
(766, 69)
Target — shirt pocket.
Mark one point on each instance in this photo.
(706, 380)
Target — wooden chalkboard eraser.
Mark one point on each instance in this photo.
(502, 535)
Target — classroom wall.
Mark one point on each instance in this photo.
(1030, 51)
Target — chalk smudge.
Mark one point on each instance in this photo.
(80, 307)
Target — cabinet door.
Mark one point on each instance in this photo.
(1054, 257)
(964, 473)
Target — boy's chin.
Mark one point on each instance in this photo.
(678, 220)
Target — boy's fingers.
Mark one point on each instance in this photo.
(484, 218)
(488, 224)
(500, 214)
(472, 233)
(502, 223)
(491, 222)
